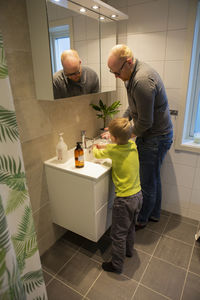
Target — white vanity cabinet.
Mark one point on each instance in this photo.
(81, 199)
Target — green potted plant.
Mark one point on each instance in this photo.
(105, 111)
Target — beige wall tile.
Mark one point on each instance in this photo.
(43, 220)
(14, 25)
(20, 72)
(37, 186)
(35, 152)
(33, 121)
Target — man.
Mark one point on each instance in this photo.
(74, 79)
(148, 107)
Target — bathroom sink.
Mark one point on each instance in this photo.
(88, 156)
(93, 168)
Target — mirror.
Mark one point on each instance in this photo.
(54, 28)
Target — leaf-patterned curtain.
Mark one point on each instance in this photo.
(18, 243)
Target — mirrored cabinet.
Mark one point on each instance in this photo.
(56, 26)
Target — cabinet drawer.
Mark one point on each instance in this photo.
(103, 220)
(104, 191)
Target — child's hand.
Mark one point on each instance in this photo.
(99, 146)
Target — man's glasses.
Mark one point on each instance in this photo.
(73, 74)
(119, 72)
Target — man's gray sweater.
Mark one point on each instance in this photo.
(148, 104)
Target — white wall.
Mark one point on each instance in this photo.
(156, 32)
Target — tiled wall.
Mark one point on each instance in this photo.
(40, 121)
(156, 32)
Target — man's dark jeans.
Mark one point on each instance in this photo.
(151, 154)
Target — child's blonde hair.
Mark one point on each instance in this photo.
(121, 129)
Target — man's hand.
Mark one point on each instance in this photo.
(133, 135)
(106, 134)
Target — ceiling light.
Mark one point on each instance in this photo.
(101, 18)
(56, 0)
(82, 9)
(95, 7)
(114, 16)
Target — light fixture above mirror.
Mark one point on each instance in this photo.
(99, 6)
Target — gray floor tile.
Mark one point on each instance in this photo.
(181, 231)
(135, 265)
(110, 286)
(195, 261)
(47, 277)
(144, 293)
(165, 213)
(146, 240)
(158, 226)
(164, 278)
(58, 291)
(80, 272)
(183, 219)
(174, 251)
(100, 251)
(53, 259)
(192, 287)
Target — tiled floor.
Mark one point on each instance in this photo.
(165, 265)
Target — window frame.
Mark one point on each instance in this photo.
(54, 33)
(189, 102)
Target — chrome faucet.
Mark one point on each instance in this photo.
(85, 139)
(83, 132)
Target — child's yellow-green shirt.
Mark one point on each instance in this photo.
(125, 167)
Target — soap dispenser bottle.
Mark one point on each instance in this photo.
(79, 156)
(61, 149)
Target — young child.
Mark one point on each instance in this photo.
(128, 201)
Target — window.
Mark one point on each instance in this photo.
(197, 119)
(59, 41)
(192, 114)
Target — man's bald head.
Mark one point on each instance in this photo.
(120, 61)
(71, 64)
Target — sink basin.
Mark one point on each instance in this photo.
(93, 168)
(88, 155)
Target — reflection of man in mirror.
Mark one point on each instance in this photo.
(74, 79)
